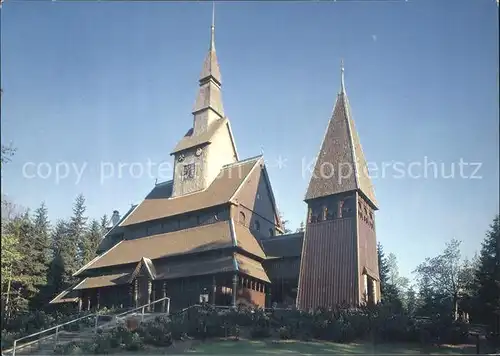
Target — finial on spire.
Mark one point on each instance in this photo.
(212, 28)
(342, 86)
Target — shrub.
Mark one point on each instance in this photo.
(260, 331)
(235, 331)
(8, 338)
(102, 344)
(284, 333)
(156, 332)
(70, 348)
(135, 343)
(261, 326)
(119, 335)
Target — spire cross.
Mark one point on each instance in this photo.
(212, 34)
(342, 86)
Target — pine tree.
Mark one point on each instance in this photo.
(383, 269)
(91, 241)
(104, 224)
(76, 233)
(487, 278)
(63, 263)
(39, 252)
(301, 227)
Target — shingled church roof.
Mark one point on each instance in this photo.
(341, 165)
(289, 245)
(220, 235)
(159, 202)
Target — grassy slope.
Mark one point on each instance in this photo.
(307, 348)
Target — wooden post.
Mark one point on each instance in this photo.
(87, 296)
(80, 304)
(214, 289)
(136, 288)
(98, 295)
(150, 289)
(235, 288)
(164, 293)
(131, 295)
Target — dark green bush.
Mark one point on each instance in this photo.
(119, 335)
(135, 343)
(284, 333)
(70, 348)
(102, 344)
(157, 332)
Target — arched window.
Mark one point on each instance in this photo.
(242, 218)
(257, 225)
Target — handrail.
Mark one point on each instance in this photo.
(56, 328)
(142, 307)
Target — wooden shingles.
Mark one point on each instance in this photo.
(159, 203)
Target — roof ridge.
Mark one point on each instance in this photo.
(164, 182)
(282, 237)
(197, 227)
(235, 164)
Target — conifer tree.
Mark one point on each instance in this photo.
(104, 224)
(382, 268)
(91, 241)
(39, 259)
(63, 263)
(77, 229)
(487, 278)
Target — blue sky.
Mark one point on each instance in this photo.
(86, 83)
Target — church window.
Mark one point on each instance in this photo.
(257, 225)
(316, 214)
(188, 171)
(330, 211)
(242, 218)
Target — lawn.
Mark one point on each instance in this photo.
(247, 347)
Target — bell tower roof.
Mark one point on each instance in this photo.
(340, 165)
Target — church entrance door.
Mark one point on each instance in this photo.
(142, 290)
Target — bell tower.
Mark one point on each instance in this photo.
(339, 261)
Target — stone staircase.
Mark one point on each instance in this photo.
(45, 341)
(46, 345)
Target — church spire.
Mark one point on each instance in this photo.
(340, 165)
(208, 106)
(211, 66)
(212, 29)
(342, 86)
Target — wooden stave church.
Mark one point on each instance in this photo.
(221, 240)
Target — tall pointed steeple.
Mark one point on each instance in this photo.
(339, 253)
(208, 106)
(209, 144)
(341, 165)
